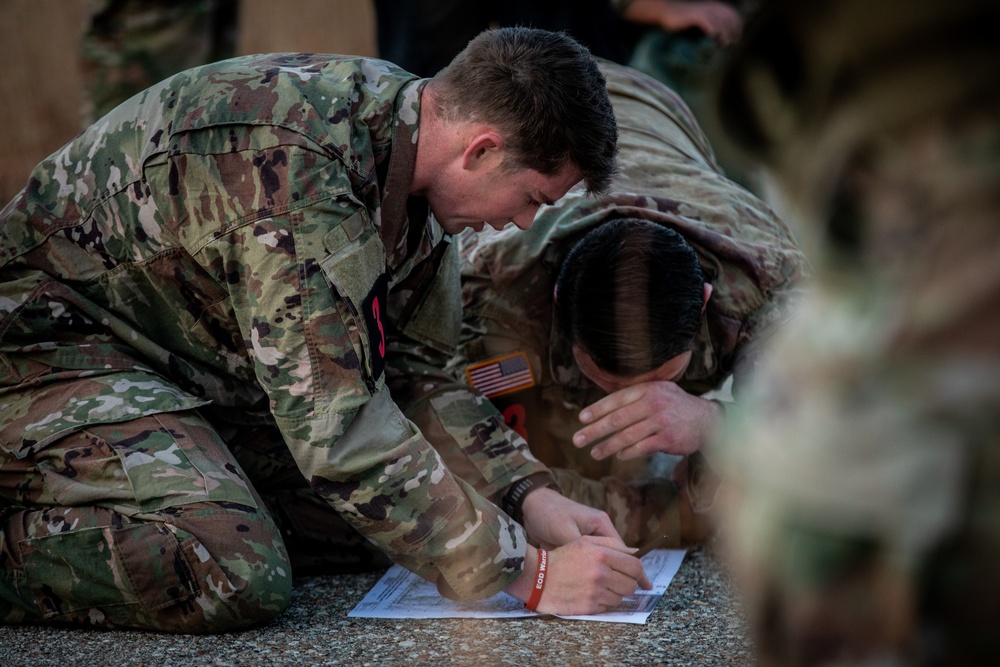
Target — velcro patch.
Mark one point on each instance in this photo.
(502, 375)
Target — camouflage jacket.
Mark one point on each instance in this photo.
(238, 235)
(668, 175)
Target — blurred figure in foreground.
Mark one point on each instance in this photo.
(866, 528)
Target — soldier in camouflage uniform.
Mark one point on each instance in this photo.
(866, 530)
(746, 256)
(228, 260)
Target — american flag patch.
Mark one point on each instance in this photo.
(501, 375)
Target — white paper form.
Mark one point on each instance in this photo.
(402, 594)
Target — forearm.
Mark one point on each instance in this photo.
(465, 428)
(523, 584)
(471, 555)
(643, 12)
(715, 18)
(385, 479)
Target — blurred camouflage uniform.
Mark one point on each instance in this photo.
(226, 260)
(867, 526)
(667, 175)
(129, 45)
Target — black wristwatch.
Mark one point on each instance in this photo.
(514, 498)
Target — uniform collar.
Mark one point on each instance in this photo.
(394, 223)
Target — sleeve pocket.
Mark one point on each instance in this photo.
(355, 267)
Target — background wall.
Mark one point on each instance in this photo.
(41, 98)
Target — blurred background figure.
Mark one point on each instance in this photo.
(682, 43)
(423, 35)
(867, 525)
(685, 44)
(128, 45)
(68, 60)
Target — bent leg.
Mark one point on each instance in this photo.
(319, 540)
(145, 524)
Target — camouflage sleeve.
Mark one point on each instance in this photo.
(468, 432)
(308, 299)
(465, 428)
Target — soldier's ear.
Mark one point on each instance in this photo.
(484, 150)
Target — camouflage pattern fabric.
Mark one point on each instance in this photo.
(235, 239)
(131, 44)
(667, 175)
(91, 534)
(318, 539)
(865, 518)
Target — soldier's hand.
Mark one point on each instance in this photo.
(553, 519)
(647, 417)
(588, 576)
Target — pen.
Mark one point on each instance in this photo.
(646, 548)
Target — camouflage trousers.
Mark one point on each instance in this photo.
(153, 524)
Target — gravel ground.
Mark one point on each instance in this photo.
(698, 622)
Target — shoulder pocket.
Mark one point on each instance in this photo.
(355, 267)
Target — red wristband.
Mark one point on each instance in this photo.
(543, 569)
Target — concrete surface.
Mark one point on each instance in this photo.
(698, 622)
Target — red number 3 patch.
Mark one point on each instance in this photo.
(515, 417)
(377, 314)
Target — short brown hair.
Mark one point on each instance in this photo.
(545, 92)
